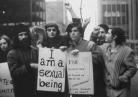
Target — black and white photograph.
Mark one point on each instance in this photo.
(68, 48)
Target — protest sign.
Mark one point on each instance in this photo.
(80, 73)
(6, 86)
(51, 70)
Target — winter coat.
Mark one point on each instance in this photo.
(23, 76)
(3, 56)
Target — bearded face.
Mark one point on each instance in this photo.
(23, 39)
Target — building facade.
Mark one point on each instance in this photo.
(56, 13)
(121, 13)
(13, 12)
(115, 13)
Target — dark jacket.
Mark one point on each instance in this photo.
(3, 56)
(24, 78)
(98, 68)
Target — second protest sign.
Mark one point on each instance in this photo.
(80, 73)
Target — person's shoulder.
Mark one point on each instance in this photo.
(104, 46)
(127, 48)
(85, 41)
(12, 52)
(99, 49)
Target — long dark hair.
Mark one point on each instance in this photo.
(79, 27)
(8, 40)
(52, 42)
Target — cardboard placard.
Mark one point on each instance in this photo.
(51, 70)
(80, 73)
(6, 85)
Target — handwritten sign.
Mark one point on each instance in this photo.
(80, 73)
(51, 70)
(6, 86)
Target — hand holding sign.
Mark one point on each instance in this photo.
(75, 52)
(63, 48)
(34, 65)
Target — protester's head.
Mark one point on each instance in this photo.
(103, 29)
(75, 31)
(5, 43)
(118, 36)
(52, 30)
(22, 37)
(38, 35)
(99, 33)
(108, 36)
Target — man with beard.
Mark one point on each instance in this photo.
(98, 35)
(19, 60)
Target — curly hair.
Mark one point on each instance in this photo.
(104, 26)
(120, 35)
(79, 27)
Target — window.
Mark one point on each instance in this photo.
(118, 7)
(104, 8)
(123, 20)
(123, 7)
(118, 20)
(109, 8)
(113, 21)
(113, 8)
(109, 20)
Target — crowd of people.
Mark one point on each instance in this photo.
(113, 61)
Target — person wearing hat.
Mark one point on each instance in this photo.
(19, 60)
